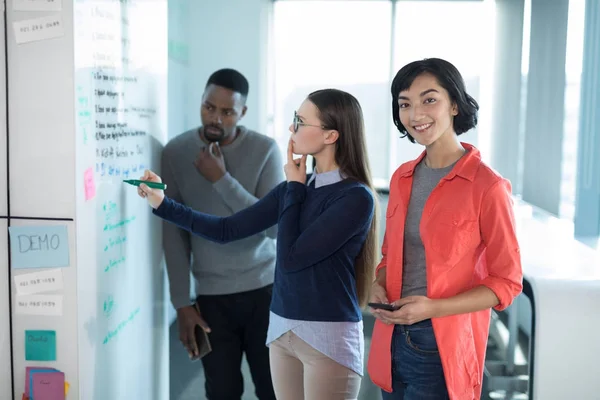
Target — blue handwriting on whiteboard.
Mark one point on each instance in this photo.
(114, 263)
(111, 334)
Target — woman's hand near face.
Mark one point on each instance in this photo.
(295, 170)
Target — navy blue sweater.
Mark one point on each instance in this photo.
(320, 233)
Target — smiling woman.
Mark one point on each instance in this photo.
(432, 93)
(447, 211)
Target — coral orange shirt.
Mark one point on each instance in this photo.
(468, 231)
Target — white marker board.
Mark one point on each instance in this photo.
(120, 102)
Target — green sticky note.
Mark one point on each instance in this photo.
(40, 345)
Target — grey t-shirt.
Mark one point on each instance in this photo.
(414, 273)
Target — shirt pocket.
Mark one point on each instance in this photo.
(453, 235)
(391, 210)
(392, 221)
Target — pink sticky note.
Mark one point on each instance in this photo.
(28, 371)
(88, 183)
(48, 385)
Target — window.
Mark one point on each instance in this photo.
(518, 185)
(573, 69)
(316, 48)
(448, 34)
(350, 45)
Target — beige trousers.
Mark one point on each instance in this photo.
(300, 372)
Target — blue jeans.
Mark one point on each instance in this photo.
(417, 372)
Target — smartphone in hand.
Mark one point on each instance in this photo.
(383, 306)
(202, 343)
(202, 339)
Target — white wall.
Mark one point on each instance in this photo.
(178, 67)
(229, 34)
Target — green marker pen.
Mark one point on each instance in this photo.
(153, 185)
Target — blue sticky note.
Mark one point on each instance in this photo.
(39, 246)
(40, 345)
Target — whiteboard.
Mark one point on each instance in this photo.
(120, 112)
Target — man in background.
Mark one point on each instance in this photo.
(221, 168)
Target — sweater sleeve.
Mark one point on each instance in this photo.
(343, 219)
(250, 221)
(237, 198)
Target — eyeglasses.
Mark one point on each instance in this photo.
(298, 123)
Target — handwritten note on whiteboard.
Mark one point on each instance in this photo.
(31, 30)
(39, 282)
(37, 5)
(39, 246)
(39, 304)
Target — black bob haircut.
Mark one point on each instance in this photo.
(450, 79)
(229, 79)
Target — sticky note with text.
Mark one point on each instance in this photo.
(44, 246)
(39, 282)
(47, 385)
(28, 371)
(49, 305)
(31, 30)
(40, 345)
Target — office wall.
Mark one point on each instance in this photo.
(179, 66)
(233, 34)
(205, 36)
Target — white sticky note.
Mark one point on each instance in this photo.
(39, 282)
(37, 5)
(40, 304)
(31, 30)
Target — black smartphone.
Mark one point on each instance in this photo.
(383, 306)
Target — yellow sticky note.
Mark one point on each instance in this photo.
(66, 388)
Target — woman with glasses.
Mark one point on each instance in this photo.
(326, 246)
(450, 252)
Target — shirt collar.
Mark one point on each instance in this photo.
(326, 178)
(466, 167)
